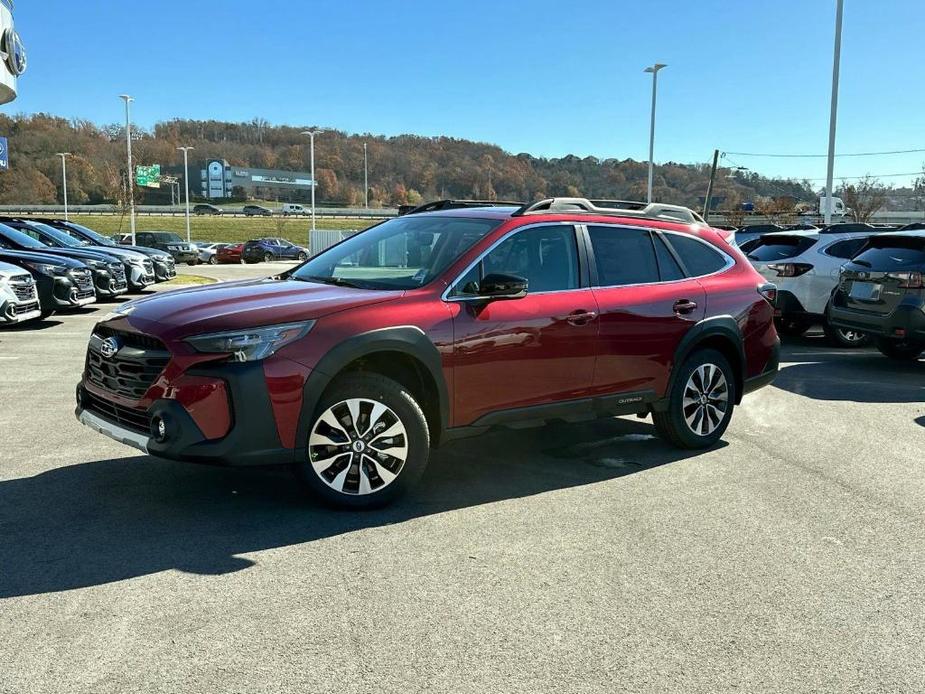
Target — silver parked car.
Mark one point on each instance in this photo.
(207, 252)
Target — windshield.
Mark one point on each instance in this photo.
(163, 236)
(402, 253)
(58, 235)
(17, 238)
(92, 235)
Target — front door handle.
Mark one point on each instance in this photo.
(580, 317)
(684, 306)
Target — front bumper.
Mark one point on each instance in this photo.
(19, 312)
(164, 271)
(907, 321)
(139, 278)
(185, 256)
(108, 286)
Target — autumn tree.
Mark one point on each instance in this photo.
(864, 198)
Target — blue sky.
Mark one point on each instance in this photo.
(548, 78)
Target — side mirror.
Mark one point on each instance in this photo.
(500, 286)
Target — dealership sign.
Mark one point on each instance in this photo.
(4, 155)
(148, 176)
(281, 180)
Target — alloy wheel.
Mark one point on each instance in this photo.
(358, 446)
(851, 336)
(705, 400)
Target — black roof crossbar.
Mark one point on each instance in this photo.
(614, 208)
(436, 205)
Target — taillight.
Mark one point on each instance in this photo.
(769, 292)
(790, 269)
(908, 280)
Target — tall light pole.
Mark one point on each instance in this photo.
(185, 151)
(365, 178)
(128, 148)
(311, 134)
(654, 70)
(64, 156)
(833, 113)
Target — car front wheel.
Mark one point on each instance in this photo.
(700, 401)
(901, 350)
(303, 257)
(368, 443)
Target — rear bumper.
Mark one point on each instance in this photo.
(788, 306)
(768, 375)
(905, 322)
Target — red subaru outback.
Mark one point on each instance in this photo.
(435, 325)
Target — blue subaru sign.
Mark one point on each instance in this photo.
(4, 155)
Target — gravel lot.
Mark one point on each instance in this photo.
(583, 558)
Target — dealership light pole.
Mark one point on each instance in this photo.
(128, 148)
(64, 156)
(365, 178)
(830, 164)
(311, 134)
(654, 70)
(185, 151)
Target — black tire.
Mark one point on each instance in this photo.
(303, 257)
(402, 404)
(268, 257)
(192, 262)
(900, 350)
(672, 425)
(791, 327)
(842, 337)
(213, 260)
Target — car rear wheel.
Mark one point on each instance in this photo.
(368, 443)
(845, 337)
(700, 402)
(901, 350)
(267, 257)
(212, 260)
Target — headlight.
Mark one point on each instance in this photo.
(251, 344)
(136, 261)
(46, 268)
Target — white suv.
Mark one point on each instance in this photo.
(805, 265)
(19, 299)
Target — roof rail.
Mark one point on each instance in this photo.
(616, 208)
(457, 204)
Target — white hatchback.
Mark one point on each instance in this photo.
(805, 265)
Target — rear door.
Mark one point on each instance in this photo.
(647, 304)
(878, 279)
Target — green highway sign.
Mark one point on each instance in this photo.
(148, 176)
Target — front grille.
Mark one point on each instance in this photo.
(83, 279)
(117, 270)
(24, 288)
(136, 420)
(132, 369)
(20, 309)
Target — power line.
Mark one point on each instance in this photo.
(807, 156)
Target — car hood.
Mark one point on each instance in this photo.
(39, 257)
(245, 304)
(79, 254)
(7, 270)
(118, 252)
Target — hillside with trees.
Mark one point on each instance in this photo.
(402, 169)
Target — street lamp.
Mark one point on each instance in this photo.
(830, 164)
(64, 156)
(365, 178)
(654, 70)
(311, 134)
(128, 148)
(185, 151)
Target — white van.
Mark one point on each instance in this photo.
(291, 208)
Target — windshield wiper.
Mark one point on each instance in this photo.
(338, 281)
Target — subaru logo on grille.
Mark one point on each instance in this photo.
(109, 347)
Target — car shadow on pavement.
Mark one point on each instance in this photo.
(29, 326)
(920, 421)
(857, 375)
(110, 520)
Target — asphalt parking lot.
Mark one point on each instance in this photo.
(582, 558)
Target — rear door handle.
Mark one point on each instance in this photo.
(580, 317)
(684, 306)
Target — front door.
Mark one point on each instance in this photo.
(530, 351)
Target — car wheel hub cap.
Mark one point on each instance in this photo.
(705, 400)
(358, 446)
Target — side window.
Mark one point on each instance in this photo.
(546, 256)
(31, 232)
(699, 258)
(668, 268)
(845, 249)
(623, 256)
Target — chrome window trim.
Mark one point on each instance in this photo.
(445, 296)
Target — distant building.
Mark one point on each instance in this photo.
(12, 53)
(221, 180)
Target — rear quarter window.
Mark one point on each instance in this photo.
(699, 257)
(845, 249)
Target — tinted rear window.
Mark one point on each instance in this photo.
(778, 248)
(910, 255)
(698, 257)
(847, 248)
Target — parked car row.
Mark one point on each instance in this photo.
(49, 265)
(286, 209)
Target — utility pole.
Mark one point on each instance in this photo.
(365, 178)
(654, 70)
(833, 113)
(185, 151)
(707, 200)
(311, 135)
(128, 149)
(64, 156)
